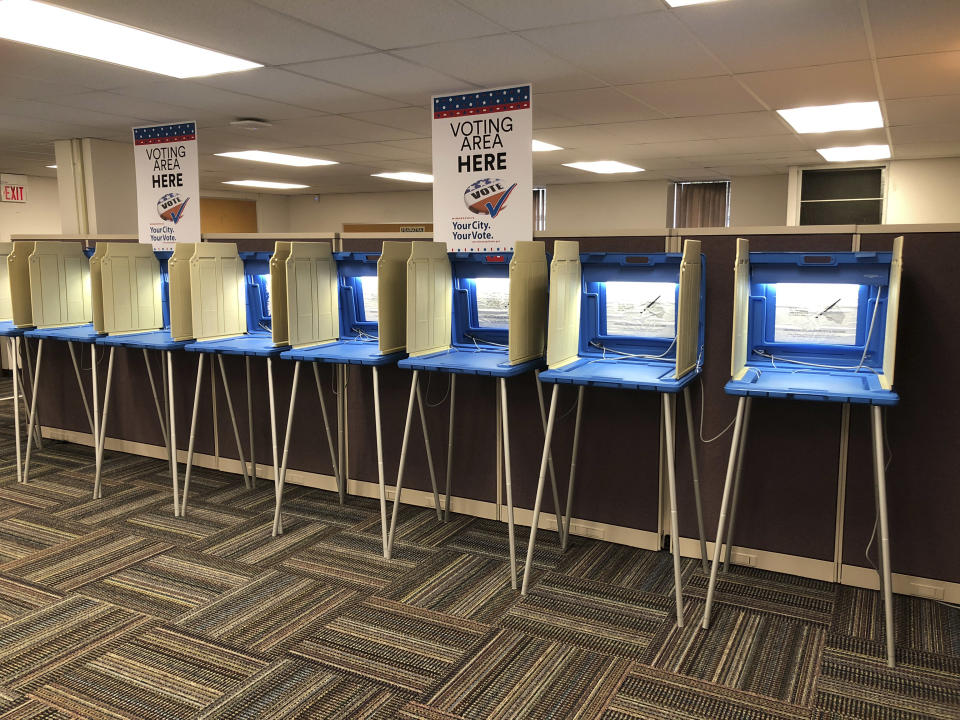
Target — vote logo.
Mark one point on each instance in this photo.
(487, 196)
(170, 207)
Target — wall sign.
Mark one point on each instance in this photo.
(168, 184)
(13, 188)
(483, 169)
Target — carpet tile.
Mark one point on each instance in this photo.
(18, 597)
(252, 541)
(29, 532)
(490, 538)
(624, 566)
(117, 503)
(201, 522)
(389, 642)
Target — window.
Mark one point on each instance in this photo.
(641, 309)
(493, 301)
(816, 313)
(539, 208)
(368, 291)
(700, 204)
(848, 196)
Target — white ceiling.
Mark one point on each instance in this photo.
(687, 93)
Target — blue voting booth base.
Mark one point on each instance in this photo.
(344, 352)
(622, 374)
(809, 384)
(471, 361)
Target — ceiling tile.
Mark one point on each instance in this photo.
(598, 105)
(694, 96)
(108, 102)
(877, 136)
(927, 150)
(210, 102)
(818, 85)
(906, 134)
(385, 75)
(917, 111)
(762, 144)
(55, 67)
(920, 75)
(386, 25)
(637, 48)
(908, 28)
(752, 36)
(237, 27)
(544, 13)
(412, 119)
(28, 88)
(500, 60)
(738, 125)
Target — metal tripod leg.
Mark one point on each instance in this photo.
(253, 445)
(102, 428)
(565, 536)
(724, 503)
(172, 417)
(83, 393)
(193, 435)
(669, 429)
(558, 511)
(540, 482)
(380, 469)
(508, 482)
(886, 576)
(233, 421)
(695, 471)
(414, 384)
(279, 481)
(453, 398)
(36, 421)
(15, 355)
(426, 445)
(273, 431)
(736, 487)
(33, 413)
(337, 474)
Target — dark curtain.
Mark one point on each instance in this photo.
(701, 205)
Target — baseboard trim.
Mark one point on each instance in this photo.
(766, 560)
(856, 576)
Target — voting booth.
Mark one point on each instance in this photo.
(230, 305)
(632, 322)
(474, 314)
(60, 309)
(344, 308)
(819, 327)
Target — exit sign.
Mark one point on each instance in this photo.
(13, 188)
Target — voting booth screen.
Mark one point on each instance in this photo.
(640, 309)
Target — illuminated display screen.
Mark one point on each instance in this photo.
(642, 309)
(368, 287)
(816, 313)
(493, 302)
(265, 283)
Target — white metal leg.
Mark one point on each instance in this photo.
(83, 393)
(695, 471)
(337, 471)
(453, 399)
(426, 445)
(33, 412)
(508, 482)
(548, 436)
(553, 476)
(273, 431)
(886, 577)
(193, 436)
(15, 354)
(172, 417)
(96, 412)
(22, 401)
(735, 500)
(403, 462)
(670, 429)
(380, 469)
(156, 397)
(233, 422)
(165, 421)
(36, 420)
(723, 511)
(565, 536)
(253, 446)
(341, 419)
(102, 427)
(279, 481)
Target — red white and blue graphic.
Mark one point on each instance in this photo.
(170, 207)
(480, 103)
(488, 196)
(483, 168)
(156, 134)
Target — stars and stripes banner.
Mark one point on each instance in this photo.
(483, 169)
(168, 184)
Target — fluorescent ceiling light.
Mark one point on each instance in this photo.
(276, 158)
(604, 167)
(540, 146)
(858, 152)
(831, 118)
(265, 184)
(684, 3)
(52, 167)
(76, 33)
(408, 176)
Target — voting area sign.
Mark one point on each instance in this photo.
(168, 184)
(483, 169)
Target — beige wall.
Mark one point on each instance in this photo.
(328, 212)
(614, 206)
(923, 191)
(273, 213)
(758, 201)
(40, 214)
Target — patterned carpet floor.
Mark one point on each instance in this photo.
(114, 609)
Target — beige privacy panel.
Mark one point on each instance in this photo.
(527, 338)
(563, 326)
(392, 296)
(312, 308)
(741, 307)
(429, 298)
(178, 275)
(131, 286)
(893, 312)
(18, 272)
(218, 296)
(59, 284)
(96, 285)
(688, 311)
(279, 327)
(6, 305)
